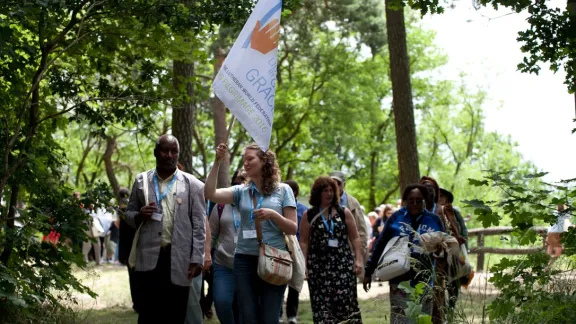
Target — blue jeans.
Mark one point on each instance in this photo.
(259, 301)
(224, 290)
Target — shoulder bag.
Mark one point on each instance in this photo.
(274, 265)
(395, 260)
(132, 257)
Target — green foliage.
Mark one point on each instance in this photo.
(417, 295)
(524, 199)
(533, 289)
(101, 67)
(333, 111)
(39, 272)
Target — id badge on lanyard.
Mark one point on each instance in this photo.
(332, 242)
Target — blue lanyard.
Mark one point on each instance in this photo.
(433, 209)
(207, 208)
(236, 222)
(252, 203)
(159, 196)
(330, 229)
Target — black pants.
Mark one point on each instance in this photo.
(453, 292)
(207, 299)
(160, 300)
(292, 302)
(133, 281)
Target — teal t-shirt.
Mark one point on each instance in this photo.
(281, 197)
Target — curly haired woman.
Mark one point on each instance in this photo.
(262, 198)
(325, 230)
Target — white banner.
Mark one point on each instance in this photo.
(246, 83)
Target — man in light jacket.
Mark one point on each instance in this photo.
(170, 245)
(352, 203)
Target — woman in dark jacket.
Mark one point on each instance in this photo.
(413, 216)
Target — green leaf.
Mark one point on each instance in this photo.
(424, 319)
(526, 237)
(405, 286)
(413, 310)
(476, 203)
(477, 183)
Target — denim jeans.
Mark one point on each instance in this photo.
(259, 301)
(224, 291)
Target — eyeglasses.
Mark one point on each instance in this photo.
(415, 202)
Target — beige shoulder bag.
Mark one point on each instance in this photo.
(132, 257)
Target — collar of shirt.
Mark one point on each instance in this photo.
(168, 178)
(253, 187)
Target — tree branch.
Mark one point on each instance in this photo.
(390, 192)
(201, 148)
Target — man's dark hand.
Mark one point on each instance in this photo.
(194, 270)
(367, 283)
(147, 211)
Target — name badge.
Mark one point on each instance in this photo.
(157, 217)
(249, 234)
(235, 239)
(333, 243)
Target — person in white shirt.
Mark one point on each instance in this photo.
(553, 239)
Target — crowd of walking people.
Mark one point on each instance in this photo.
(178, 233)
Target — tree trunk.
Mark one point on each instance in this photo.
(373, 167)
(220, 127)
(85, 152)
(183, 110)
(406, 147)
(289, 173)
(7, 251)
(110, 148)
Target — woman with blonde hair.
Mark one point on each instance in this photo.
(264, 199)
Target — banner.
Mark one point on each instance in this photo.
(246, 83)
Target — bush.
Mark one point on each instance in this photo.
(38, 276)
(533, 288)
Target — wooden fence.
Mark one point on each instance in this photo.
(481, 250)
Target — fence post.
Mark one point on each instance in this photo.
(480, 258)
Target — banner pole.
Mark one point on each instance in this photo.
(232, 121)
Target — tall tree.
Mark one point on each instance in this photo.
(220, 129)
(183, 109)
(403, 106)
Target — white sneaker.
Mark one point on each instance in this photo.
(292, 320)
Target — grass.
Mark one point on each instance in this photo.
(113, 305)
(373, 311)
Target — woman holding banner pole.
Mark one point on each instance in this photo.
(264, 200)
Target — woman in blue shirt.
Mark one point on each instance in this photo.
(265, 199)
(413, 215)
